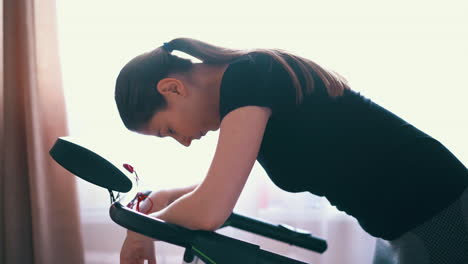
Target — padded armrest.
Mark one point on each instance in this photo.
(212, 247)
(150, 226)
(284, 233)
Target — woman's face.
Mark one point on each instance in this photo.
(181, 125)
(188, 114)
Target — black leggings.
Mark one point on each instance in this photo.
(443, 239)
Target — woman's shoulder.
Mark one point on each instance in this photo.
(247, 81)
(254, 66)
(254, 58)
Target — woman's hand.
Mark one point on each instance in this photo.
(155, 202)
(136, 249)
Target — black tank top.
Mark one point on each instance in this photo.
(364, 159)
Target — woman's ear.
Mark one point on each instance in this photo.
(171, 86)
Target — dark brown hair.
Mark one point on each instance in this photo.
(138, 100)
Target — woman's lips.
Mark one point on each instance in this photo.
(202, 134)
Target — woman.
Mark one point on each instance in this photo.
(309, 131)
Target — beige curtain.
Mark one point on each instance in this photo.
(39, 217)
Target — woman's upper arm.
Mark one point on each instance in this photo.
(240, 136)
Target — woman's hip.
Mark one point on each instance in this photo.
(441, 239)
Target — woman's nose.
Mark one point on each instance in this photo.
(186, 141)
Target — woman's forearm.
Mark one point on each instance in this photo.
(158, 200)
(187, 211)
(176, 193)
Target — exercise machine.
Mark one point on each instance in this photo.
(205, 246)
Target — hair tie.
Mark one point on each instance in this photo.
(168, 47)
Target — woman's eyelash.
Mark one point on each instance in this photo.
(170, 131)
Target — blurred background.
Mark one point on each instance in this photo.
(408, 56)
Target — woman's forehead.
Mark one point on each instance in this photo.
(154, 125)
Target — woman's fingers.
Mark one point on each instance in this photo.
(151, 253)
(136, 249)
